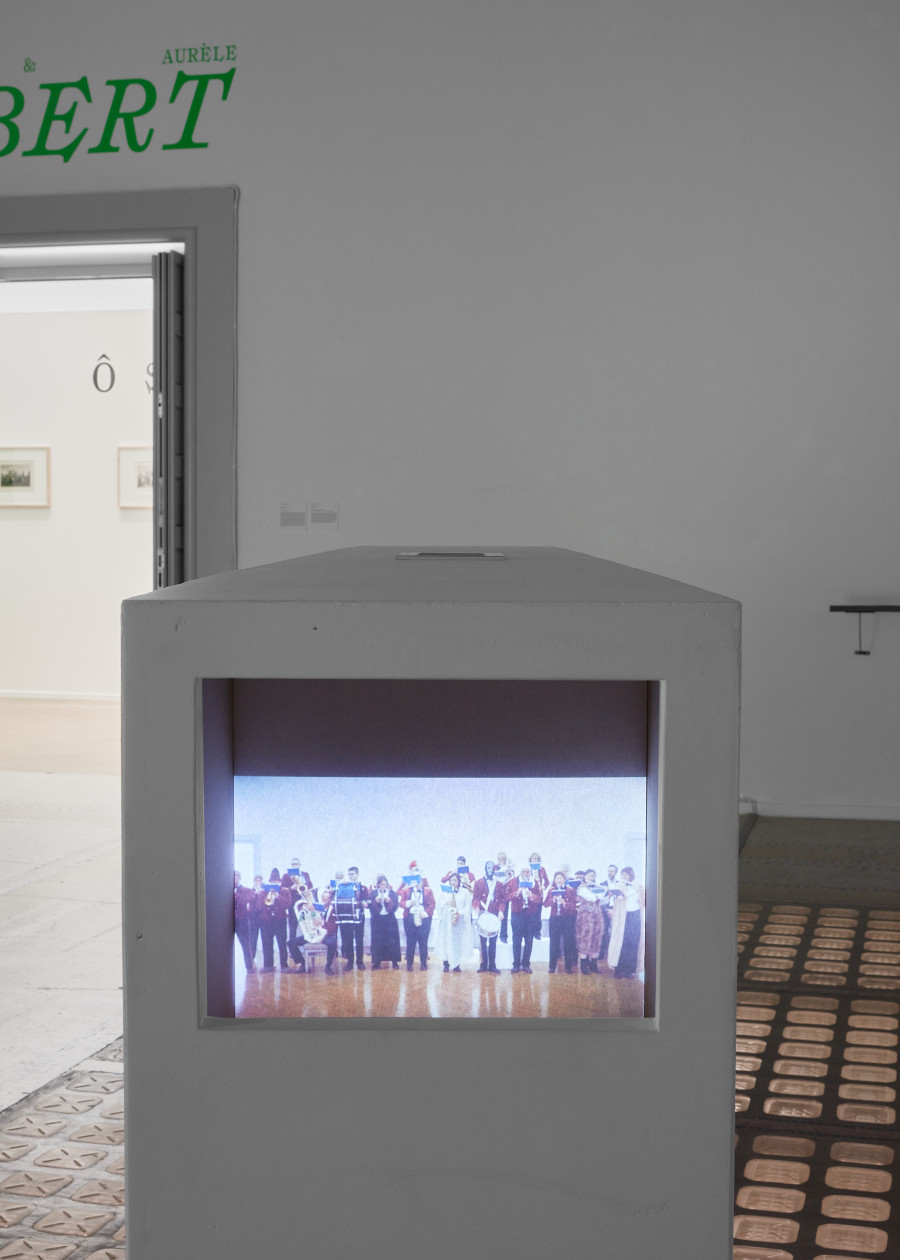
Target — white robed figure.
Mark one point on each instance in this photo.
(454, 943)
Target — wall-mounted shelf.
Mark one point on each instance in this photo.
(859, 609)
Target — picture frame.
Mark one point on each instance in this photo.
(25, 476)
(135, 477)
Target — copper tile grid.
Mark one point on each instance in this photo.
(817, 1148)
(809, 1197)
(62, 1188)
(820, 948)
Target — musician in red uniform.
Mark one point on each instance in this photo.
(350, 908)
(273, 911)
(488, 894)
(417, 903)
(540, 876)
(360, 926)
(329, 922)
(243, 898)
(505, 871)
(561, 901)
(294, 879)
(462, 872)
(525, 902)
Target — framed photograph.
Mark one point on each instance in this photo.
(135, 476)
(24, 476)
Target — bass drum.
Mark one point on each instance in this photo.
(488, 924)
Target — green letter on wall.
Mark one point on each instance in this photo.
(51, 116)
(187, 140)
(7, 119)
(127, 116)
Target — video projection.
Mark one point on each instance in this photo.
(440, 849)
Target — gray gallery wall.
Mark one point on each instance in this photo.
(618, 275)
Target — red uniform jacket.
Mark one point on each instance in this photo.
(243, 903)
(528, 900)
(564, 906)
(543, 879)
(405, 895)
(465, 880)
(480, 897)
(277, 912)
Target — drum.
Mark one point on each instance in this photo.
(346, 904)
(488, 924)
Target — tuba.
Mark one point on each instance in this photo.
(308, 918)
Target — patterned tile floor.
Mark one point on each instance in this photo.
(817, 1146)
(62, 1188)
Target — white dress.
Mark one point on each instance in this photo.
(454, 942)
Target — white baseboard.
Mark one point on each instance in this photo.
(60, 695)
(865, 813)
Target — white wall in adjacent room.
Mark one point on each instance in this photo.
(66, 568)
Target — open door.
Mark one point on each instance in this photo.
(168, 419)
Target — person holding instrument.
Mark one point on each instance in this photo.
(348, 902)
(243, 897)
(462, 871)
(505, 871)
(329, 923)
(417, 901)
(273, 911)
(360, 924)
(454, 924)
(589, 921)
(385, 929)
(626, 945)
(488, 905)
(560, 900)
(525, 902)
(541, 878)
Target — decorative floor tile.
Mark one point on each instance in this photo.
(68, 1157)
(816, 1083)
(115, 1110)
(108, 1253)
(14, 1150)
(35, 1185)
(109, 1192)
(32, 1126)
(119, 1235)
(67, 1105)
(25, 1249)
(109, 1134)
(116, 1167)
(79, 1222)
(12, 1213)
(97, 1083)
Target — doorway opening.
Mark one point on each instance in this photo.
(60, 892)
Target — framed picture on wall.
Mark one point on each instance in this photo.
(135, 476)
(24, 476)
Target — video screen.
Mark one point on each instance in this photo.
(428, 896)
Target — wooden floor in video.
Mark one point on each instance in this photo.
(434, 994)
(817, 1143)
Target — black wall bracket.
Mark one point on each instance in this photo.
(859, 609)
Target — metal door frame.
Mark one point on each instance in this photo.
(205, 221)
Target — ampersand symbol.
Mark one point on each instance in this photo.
(29, 64)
